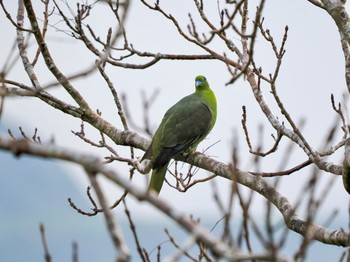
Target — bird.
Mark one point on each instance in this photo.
(182, 128)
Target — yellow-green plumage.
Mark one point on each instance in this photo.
(183, 127)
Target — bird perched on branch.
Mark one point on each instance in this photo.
(183, 127)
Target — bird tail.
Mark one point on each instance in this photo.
(157, 178)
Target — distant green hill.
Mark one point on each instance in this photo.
(34, 191)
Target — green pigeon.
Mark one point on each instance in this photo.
(183, 127)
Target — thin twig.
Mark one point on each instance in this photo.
(45, 245)
(113, 227)
(141, 251)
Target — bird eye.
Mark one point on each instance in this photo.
(198, 83)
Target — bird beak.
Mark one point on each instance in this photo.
(198, 83)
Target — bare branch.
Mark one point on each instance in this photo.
(45, 245)
(346, 167)
(317, 3)
(258, 184)
(8, 16)
(49, 60)
(215, 39)
(257, 152)
(113, 227)
(284, 173)
(143, 254)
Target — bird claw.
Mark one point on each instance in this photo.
(194, 153)
(198, 153)
(145, 166)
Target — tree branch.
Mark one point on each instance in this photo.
(49, 60)
(114, 229)
(256, 183)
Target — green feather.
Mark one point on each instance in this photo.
(183, 127)
(157, 178)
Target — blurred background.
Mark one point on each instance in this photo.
(34, 191)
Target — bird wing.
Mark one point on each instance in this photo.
(183, 126)
(187, 123)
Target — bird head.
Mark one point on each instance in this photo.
(201, 82)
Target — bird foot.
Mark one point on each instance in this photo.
(198, 153)
(143, 167)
